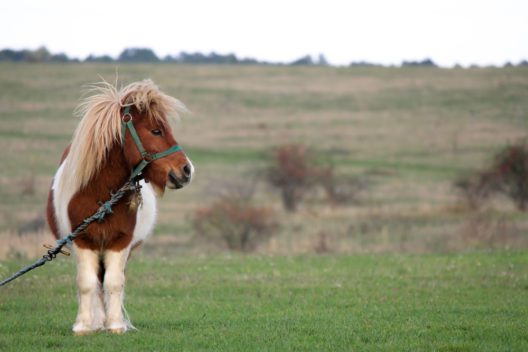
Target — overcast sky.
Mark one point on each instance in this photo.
(448, 31)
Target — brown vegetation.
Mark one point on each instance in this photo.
(293, 171)
(507, 174)
(234, 220)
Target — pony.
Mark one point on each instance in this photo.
(118, 130)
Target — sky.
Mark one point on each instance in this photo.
(381, 31)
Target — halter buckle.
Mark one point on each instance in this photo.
(148, 157)
(127, 117)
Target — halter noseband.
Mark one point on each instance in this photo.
(147, 158)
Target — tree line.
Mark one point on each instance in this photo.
(146, 55)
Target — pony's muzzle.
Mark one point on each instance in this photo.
(185, 175)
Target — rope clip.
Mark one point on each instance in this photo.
(62, 251)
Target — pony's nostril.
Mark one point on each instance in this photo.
(186, 170)
(172, 177)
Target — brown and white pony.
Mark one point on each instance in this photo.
(98, 161)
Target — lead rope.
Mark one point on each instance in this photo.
(104, 210)
(106, 207)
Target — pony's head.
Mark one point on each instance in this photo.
(100, 130)
(148, 111)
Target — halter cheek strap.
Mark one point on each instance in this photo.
(147, 158)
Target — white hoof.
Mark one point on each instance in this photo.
(81, 329)
(117, 328)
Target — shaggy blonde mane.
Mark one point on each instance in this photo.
(100, 127)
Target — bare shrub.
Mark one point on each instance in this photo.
(234, 220)
(341, 190)
(507, 174)
(293, 171)
(511, 169)
(475, 188)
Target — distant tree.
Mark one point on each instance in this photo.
(305, 60)
(192, 58)
(138, 55)
(10, 55)
(103, 58)
(322, 60)
(423, 63)
(222, 59)
(40, 55)
(523, 63)
(61, 57)
(250, 61)
(212, 58)
(170, 58)
(363, 64)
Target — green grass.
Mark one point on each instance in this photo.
(465, 302)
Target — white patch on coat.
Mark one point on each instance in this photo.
(146, 214)
(62, 194)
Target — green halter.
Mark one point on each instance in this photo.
(126, 123)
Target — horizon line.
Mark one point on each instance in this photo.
(314, 60)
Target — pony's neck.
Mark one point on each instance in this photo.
(112, 175)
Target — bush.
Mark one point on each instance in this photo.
(507, 174)
(234, 220)
(293, 171)
(511, 170)
(475, 188)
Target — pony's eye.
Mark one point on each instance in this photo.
(157, 132)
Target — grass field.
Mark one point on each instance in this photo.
(470, 302)
(409, 131)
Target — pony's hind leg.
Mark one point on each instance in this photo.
(88, 287)
(114, 285)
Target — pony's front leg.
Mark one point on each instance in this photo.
(88, 287)
(114, 286)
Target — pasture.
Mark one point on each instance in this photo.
(425, 273)
(410, 132)
(470, 302)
